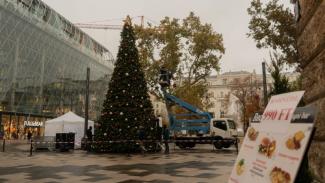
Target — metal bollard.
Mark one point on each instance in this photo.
(31, 148)
(3, 145)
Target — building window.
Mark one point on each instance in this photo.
(221, 94)
(224, 81)
(212, 105)
(211, 94)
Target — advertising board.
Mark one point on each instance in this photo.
(272, 155)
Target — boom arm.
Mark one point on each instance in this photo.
(199, 125)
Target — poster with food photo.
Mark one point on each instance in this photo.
(295, 142)
(241, 169)
(273, 149)
(245, 158)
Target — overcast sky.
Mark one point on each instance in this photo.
(228, 17)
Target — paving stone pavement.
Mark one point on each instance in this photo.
(199, 165)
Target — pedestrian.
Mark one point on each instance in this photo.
(141, 138)
(90, 133)
(166, 138)
(89, 137)
(29, 135)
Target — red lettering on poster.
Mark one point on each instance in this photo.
(284, 114)
(270, 115)
(289, 157)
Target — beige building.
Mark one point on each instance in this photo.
(224, 103)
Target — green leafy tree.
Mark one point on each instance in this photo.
(272, 26)
(190, 49)
(280, 81)
(127, 108)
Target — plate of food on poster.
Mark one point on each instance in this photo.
(267, 147)
(279, 175)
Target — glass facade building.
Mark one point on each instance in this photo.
(43, 63)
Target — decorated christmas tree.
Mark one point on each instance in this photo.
(127, 110)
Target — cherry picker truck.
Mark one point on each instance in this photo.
(195, 127)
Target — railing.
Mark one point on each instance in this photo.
(50, 142)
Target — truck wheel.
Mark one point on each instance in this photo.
(181, 145)
(227, 145)
(218, 144)
(190, 145)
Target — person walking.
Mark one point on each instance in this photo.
(89, 134)
(166, 138)
(29, 135)
(141, 138)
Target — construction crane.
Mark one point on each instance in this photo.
(98, 26)
(95, 25)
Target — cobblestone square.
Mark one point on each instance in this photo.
(202, 164)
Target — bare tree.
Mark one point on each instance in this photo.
(245, 89)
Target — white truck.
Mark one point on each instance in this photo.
(196, 126)
(222, 133)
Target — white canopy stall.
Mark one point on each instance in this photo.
(69, 122)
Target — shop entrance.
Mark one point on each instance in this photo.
(20, 126)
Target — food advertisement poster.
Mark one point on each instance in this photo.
(274, 156)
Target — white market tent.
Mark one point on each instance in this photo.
(69, 122)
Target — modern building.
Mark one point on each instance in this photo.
(43, 63)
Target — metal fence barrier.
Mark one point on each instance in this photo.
(49, 142)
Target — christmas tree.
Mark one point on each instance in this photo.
(127, 109)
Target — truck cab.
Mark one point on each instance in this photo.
(223, 127)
